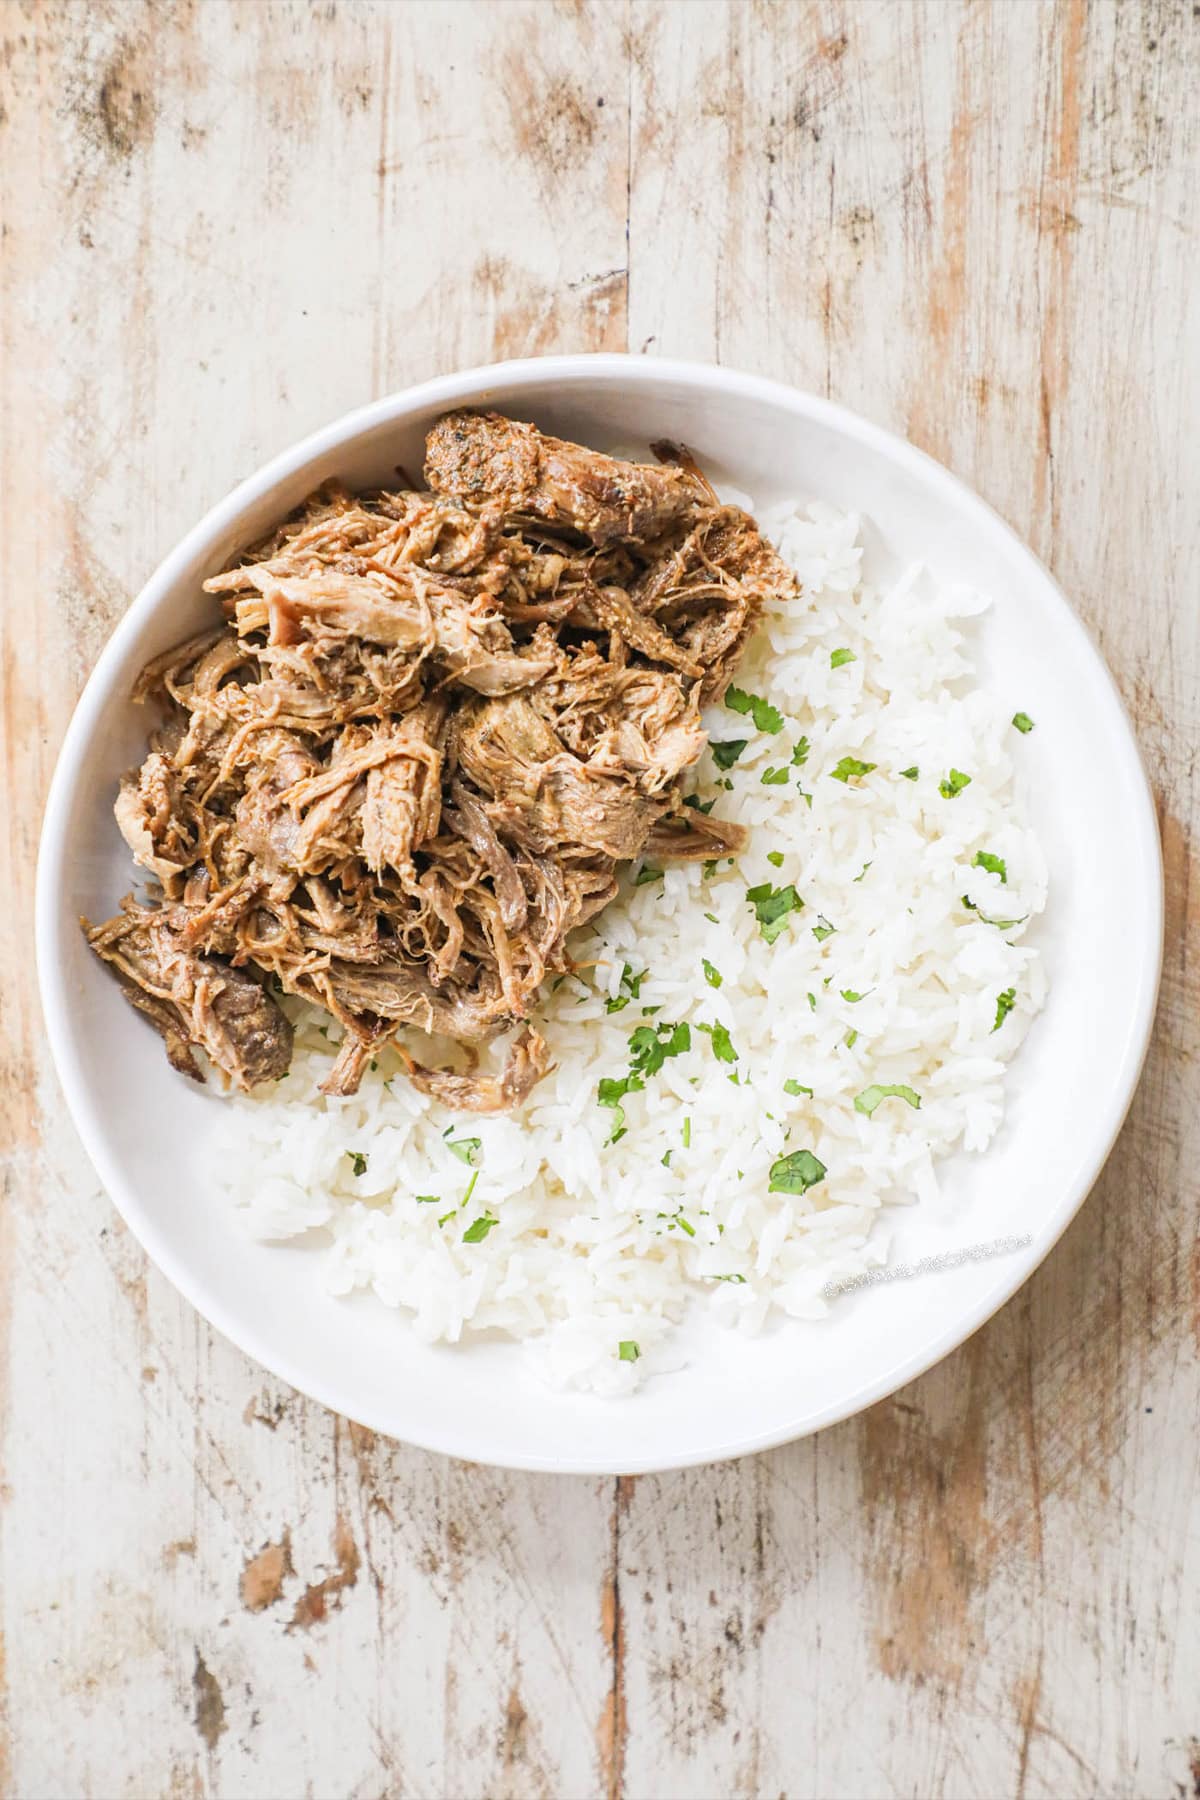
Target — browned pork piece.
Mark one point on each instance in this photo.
(414, 755)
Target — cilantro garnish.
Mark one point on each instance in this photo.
(862, 872)
(849, 769)
(1000, 924)
(1004, 1005)
(796, 1173)
(995, 865)
(850, 995)
(647, 872)
(766, 717)
(465, 1149)
(722, 1043)
(850, 1039)
(823, 929)
(687, 1134)
(910, 774)
(775, 858)
(631, 987)
(726, 754)
(773, 777)
(841, 657)
(772, 907)
(711, 975)
(812, 998)
(427, 1199)
(869, 1099)
(475, 1234)
(796, 1087)
(358, 1161)
(698, 805)
(952, 785)
(627, 1350)
(1022, 721)
(800, 753)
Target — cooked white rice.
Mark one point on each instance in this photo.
(597, 1247)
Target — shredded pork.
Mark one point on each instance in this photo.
(415, 754)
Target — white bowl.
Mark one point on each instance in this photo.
(1069, 1087)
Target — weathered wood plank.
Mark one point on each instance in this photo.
(226, 223)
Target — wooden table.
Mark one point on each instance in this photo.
(223, 224)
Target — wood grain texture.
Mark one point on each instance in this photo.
(224, 223)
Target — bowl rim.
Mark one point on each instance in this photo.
(491, 382)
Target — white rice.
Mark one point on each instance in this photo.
(597, 1244)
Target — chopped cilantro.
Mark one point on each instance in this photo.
(1023, 722)
(800, 753)
(850, 995)
(850, 1039)
(470, 1188)
(630, 988)
(711, 975)
(627, 1350)
(869, 1099)
(849, 769)
(775, 858)
(358, 1161)
(722, 1043)
(1004, 1005)
(738, 1280)
(995, 865)
(649, 1048)
(447, 1215)
(766, 717)
(862, 871)
(840, 657)
(796, 1087)
(952, 785)
(910, 774)
(710, 868)
(812, 1002)
(1000, 924)
(687, 1133)
(796, 1173)
(726, 754)
(772, 907)
(698, 805)
(427, 1199)
(823, 929)
(647, 872)
(465, 1149)
(475, 1234)
(773, 777)
(712, 918)
(666, 1159)
(684, 1225)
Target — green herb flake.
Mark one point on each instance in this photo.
(475, 1234)
(712, 918)
(358, 1161)
(722, 1043)
(698, 805)
(1004, 1005)
(910, 774)
(862, 872)
(775, 858)
(869, 1099)
(841, 657)
(684, 1225)
(470, 1190)
(627, 1350)
(850, 995)
(726, 754)
(766, 717)
(823, 929)
(737, 1280)
(465, 1149)
(427, 1199)
(711, 974)
(952, 785)
(666, 1159)
(995, 865)
(774, 777)
(796, 1087)
(800, 753)
(710, 868)
(687, 1134)
(850, 769)
(1000, 924)
(772, 907)
(796, 1173)
(1023, 722)
(447, 1215)
(647, 872)
(812, 999)
(850, 1039)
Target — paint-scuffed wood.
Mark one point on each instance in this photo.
(225, 223)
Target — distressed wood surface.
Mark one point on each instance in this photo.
(222, 225)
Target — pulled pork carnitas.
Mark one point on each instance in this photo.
(415, 753)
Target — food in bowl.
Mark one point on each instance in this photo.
(413, 755)
(803, 982)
